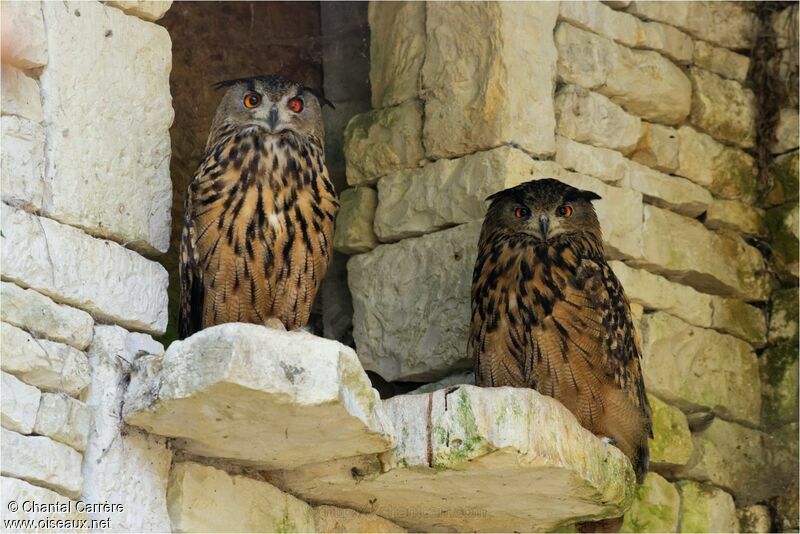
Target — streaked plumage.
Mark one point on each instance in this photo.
(258, 226)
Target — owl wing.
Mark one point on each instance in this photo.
(192, 290)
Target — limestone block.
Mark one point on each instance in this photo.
(144, 9)
(288, 398)
(779, 371)
(671, 444)
(784, 223)
(335, 123)
(488, 77)
(724, 24)
(725, 171)
(658, 147)
(19, 491)
(684, 251)
(64, 419)
(783, 317)
(784, 23)
(383, 141)
(354, 221)
(706, 509)
(18, 404)
(785, 65)
(122, 464)
(787, 502)
(602, 163)
(591, 118)
(786, 132)
(736, 216)
(695, 368)
(599, 18)
(755, 518)
(735, 317)
(668, 40)
(723, 108)
(643, 82)
(666, 191)
(721, 61)
(203, 498)
(25, 41)
(44, 318)
(90, 163)
(396, 52)
(112, 283)
(491, 451)
(784, 174)
(333, 519)
(45, 364)
(617, 4)
(20, 94)
(41, 461)
(656, 507)
(463, 377)
(22, 166)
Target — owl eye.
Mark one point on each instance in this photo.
(295, 104)
(252, 100)
(522, 213)
(564, 211)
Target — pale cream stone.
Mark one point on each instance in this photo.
(44, 318)
(20, 94)
(671, 444)
(696, 368)
(666, 191)
(112, 283)
(591, 118)
(658, 147)
(721, 61)
(723, 108)
(382, 141)
(144, 9)
(602, 163)
(245, 381)
(24, 38)
(334, 519)
(203, 498)
(784, 23)
(45, 364)
(599, 18)
(488, 77)
(113, 185)
(736, 216)
(396, 52)
(643, 82)
(786, 132)
(19, 403)
(617, 4)
(754, 518)
(64, 419)
(354, 233)
(668, 40)
(22, 165)
(655, 508)
(706, 509)
(19, 491)
(41, 461)
(739, 319)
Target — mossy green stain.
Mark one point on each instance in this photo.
(285, 524)
(466, 443)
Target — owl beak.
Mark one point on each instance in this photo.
(273, 118)
(544, 225)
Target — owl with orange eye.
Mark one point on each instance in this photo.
(548, 313)
(259, 213)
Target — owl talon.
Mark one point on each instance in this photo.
(275, 324)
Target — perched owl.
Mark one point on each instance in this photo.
(258, 227)
(549, 314)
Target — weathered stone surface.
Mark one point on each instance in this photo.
(41, 461)
(602, 163)
(47, 365)
(785, 65)
(19, 491)
(334, 519)
(668, 40)
(25, 42)
(671, 444)
(354, 221)
(617, 4)
(784, 174)
(736, 216)
(671, 192)
(755, 518)
(144, 9)
(90, 162)
(784, 229)
(779, 371)
(491, 451)
(39, 315)
(787, 502)
(739, 319)
(656, 507)
(783, 317)
(786, 132)
(784, 23)
(683, 250)
(110, 282)
(488, 77)
(19, 403)
(289, 398)
(725, 24)
(397, 50)
(63, 419)
(22, 166)
(721, 61)
(723, 108)
(723, 170)
(202, 499)
(658, 147)
(383, 141)
(706, 509)
(20, 94)
(122, 464)
(463, 377)
(695, 368)
(592, 118)
(599, 18)
(643, 82)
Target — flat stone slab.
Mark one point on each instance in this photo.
(476, 459)
(261, 397)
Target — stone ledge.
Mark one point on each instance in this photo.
(151, 10)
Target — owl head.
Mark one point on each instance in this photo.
(545, 210)
(272, 104)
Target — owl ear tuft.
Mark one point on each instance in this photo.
(582, 195)
(322, 100)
